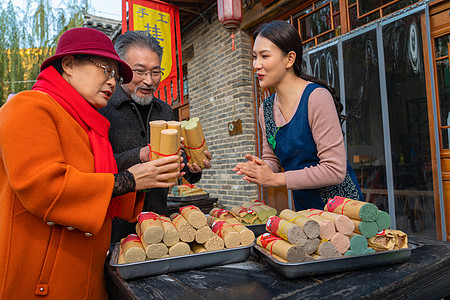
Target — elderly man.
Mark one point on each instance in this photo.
(130, 110)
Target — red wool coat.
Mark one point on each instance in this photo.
(50, 202)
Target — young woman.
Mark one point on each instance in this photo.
(301, 125)
(59, 187)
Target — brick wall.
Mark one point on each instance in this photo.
(220, 91)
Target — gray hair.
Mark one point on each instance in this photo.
(139, 39)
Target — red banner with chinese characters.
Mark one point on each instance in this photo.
(162, 21)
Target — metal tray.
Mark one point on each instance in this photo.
(187, 198)
(257, 229)
(335, 265)
(178, 263)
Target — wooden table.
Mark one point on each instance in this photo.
(425, 276)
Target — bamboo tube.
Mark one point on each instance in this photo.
(226, 231)
(247, 236)
(282, 248)
(171, 235)
(197, 248)
(195, 142)
(310, 227)
(327, 228)
(169, 146)
(354, 209)
(286, 230)
(185, 230)
(203, 234)
(194, 216)
(343, 223)
(178, 249)
(214, 243)
(149, 227)
(131, 250)
(177, 126)
(155, 136)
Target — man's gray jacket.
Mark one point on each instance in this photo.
(128, 134)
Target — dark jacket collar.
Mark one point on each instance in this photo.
(120, 97)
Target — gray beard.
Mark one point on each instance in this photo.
(142, 100)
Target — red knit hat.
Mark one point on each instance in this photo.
(91, 42)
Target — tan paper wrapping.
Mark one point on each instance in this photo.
(171, 235)
(180, 248)
(155, 136)
(185, 230)
(310, 227)
(149, 227)
(221, 213)
(401, 239)
(245, 215)
(170, 145)
(286, 230)
(226, 231)
(131, 250)
(353, 209)
(194, 216)
(247, 236)
(195, 141)
(382, 241)
(282, 248)
(263, 211)
(210, 220)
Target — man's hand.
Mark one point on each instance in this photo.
(195, 168)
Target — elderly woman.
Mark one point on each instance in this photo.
(59, 185)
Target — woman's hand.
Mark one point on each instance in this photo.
(195, 168)
(255, 170)
(156, 173)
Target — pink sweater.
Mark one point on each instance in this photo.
(327, 135)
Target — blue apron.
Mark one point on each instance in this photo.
(294, 146)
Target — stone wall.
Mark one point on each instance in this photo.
(220, 91)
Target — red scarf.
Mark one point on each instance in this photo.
(96, 126)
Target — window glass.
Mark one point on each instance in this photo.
(441, 45)
(443, 79)
(316, 23)
(324, 65)
(397, 6)
(366, 6)
(409, 127)
(364, 127)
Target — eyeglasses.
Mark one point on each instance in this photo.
(108, 72)
(141, 73)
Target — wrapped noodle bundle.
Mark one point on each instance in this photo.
(282, 248)
(131, 250)
(353, 209)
